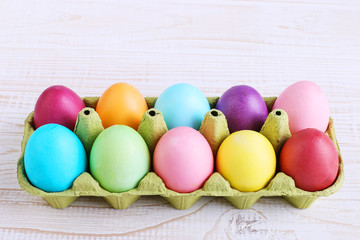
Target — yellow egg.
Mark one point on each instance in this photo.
(247, 160)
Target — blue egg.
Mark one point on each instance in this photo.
(182, 105)
(54, 157)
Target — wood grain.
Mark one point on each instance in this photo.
(213, 44)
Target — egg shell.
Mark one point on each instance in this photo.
(243, 107)
(182, 104)
(306, 105)
(247, 160)
(119, 158)
(57, 104)
(54, 157)
(121, 104)
(310, 158)
(183, 159)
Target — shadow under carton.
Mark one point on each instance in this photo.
(152, 127)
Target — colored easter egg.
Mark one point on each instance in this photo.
(119, 158)
(121, 104)
(306, 105)
(54, 158)
(182, 105)
(310, 158)
(247, 160)
(57, 104)
(243, 107)
(183, 159)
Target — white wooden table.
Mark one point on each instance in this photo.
(213, 44)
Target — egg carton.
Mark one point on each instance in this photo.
(214, 128)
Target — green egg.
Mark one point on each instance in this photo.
(119, 158)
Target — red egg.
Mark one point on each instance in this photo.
(311, 159)
(58, 104)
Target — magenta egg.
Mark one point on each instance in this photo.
(57, 104)
(183, 159)
(243, 107)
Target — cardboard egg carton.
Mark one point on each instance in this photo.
(152, 127)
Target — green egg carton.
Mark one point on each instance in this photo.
(152, 127)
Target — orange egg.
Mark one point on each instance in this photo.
(121, 104)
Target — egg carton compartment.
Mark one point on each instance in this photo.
(152, 127)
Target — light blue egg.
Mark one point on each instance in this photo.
(182, 105)
(54, 157)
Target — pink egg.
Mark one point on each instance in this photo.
(183, 159)
(306, 105)
(58, 104)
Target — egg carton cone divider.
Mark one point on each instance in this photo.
(152, 127)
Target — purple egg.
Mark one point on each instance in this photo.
(243, 107)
